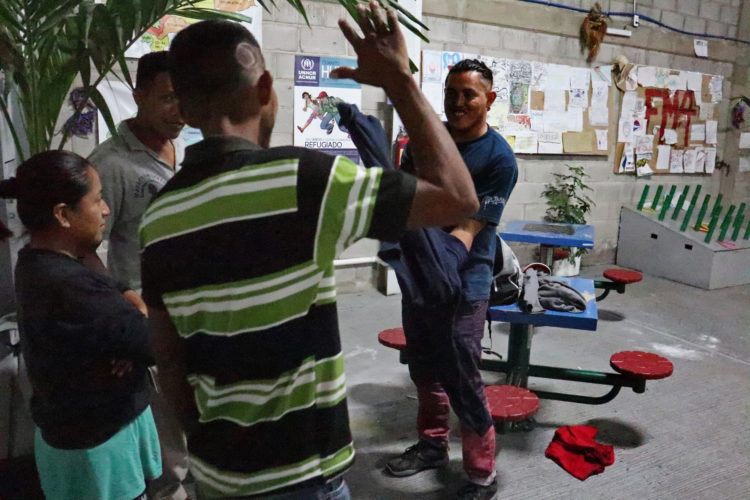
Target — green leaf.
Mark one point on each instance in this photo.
(204, 14)
(408, 14)
(98, 99)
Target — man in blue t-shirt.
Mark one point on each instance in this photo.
(468, 97)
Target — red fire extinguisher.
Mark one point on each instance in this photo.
(401, 141)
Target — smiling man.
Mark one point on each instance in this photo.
(492, 165)
(135, 164)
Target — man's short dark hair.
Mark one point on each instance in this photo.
(203, 63)
(471, 65)
(149, 66)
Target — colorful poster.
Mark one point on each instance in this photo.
(316, 118)
(432, 66)
(519, 98)
(159, 36)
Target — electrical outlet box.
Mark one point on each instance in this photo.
(636, 20)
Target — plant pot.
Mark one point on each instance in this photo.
(564, 267)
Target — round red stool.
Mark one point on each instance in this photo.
(624, 276)
(393, 338)
(509, 403)
(644, 365)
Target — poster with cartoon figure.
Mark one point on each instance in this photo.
(317, 123)
(159, 36)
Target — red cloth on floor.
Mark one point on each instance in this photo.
(575, 450)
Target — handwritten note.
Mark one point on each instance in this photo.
(537, 120)
(662, 77)
(670, 136)
(599, 94)
(707, 111)
(558, 77)
(675, 161)
(697, 132)
(625, 130)
(662, 158)
(602, 74)
(578, 98)
(689, 161)
(628, 103)
(694, 81)
(711, 126)
(700, 159)
(710, 160)
(555, 121)
(575, 119)
(601, 139)
(538, 76)
(550, 143)
(676, 82)
(700, 47)
(644, 144)
(525, 142)
(598, 116)
(647, 76)
(554, 100)
(628, 159)
(714, 87)
(579, 78)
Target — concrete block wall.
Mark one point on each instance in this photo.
(507, 28)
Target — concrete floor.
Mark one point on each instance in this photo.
(686, 437)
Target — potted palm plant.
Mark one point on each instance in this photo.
(46, 44)
(567, 202)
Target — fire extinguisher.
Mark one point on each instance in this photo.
(401, 141)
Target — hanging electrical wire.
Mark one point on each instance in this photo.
(640, 17)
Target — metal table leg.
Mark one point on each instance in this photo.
(519, 353)
(546, 254)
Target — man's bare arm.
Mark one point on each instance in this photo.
(445, 193)
(169, 350)
(467, 230)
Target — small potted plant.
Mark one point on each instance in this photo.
(567, 202)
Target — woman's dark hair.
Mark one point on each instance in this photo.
(43, 181)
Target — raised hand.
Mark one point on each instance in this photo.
(382, 58)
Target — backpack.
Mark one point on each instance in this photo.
(507, 277)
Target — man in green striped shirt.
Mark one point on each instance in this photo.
(237, 260)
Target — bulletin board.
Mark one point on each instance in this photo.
(541, 108)
(668, 123)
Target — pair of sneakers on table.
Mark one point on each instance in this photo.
(428, 455)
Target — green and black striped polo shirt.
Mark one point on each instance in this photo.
(239, 249)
